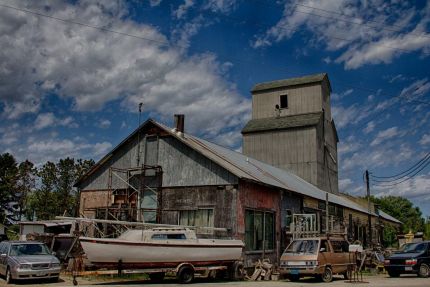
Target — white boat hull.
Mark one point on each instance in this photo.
(202, 252)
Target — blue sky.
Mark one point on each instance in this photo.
(71, 90)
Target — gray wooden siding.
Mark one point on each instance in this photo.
(301, 100)
(294, 150)
(181, 165)
(222, 200)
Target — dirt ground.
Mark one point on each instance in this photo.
(376, 280)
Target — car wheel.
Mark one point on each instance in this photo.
(327, 276)
(393, 274)
(9, 278)
(185, 275)
(424, 270)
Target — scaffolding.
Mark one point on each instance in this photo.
(133, 195)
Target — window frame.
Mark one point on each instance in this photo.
(269, 249)
(195, 210)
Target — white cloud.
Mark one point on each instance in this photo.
(102, 148)
(223, 6)
(45, 120)
(93, 68)
(362, 35)
(369, 127)
(384, 135)
(182, 9)
(104, 124)
(416, 187)
(345, 184)
(425, 140)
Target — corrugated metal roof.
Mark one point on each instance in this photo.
(289, 82)
(281, 123)
(248, 168)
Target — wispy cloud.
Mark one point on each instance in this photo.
(385, 135)
(361, 35)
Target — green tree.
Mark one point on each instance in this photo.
(25, 184)
(8, 180)
(56, 194)
(43, 201)
(402, 209)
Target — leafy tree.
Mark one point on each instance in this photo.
(402, 209)
(25, 184)
(43, 201)
(56, 194)
(8, 179)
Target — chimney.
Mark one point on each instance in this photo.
(179, 123)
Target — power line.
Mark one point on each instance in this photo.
(406, 179)
(404, 173)
(356, 23)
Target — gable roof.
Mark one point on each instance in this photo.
(291, 82)
(245, 168)
(281, 123)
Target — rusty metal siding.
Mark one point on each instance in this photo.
(263, 198)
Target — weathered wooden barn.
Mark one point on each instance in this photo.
(163, 175)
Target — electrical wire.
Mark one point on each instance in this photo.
(405, 173)
(409, 178)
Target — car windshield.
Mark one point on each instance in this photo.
(303, 247)
(413, 248)
(29, 249)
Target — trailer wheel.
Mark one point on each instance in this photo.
(156, 277)
(185, 274)
(237, 271)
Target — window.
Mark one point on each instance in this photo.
(284, 101)
(148, 204)
(176, 236)
(340, 246)
(201, 217)
(259, 230)
(321, 205)
(324, 244)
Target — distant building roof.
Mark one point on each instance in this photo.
(246, 168)
(280, 123)
(290, 82)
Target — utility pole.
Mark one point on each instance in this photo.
(369, 216)
(138, 136)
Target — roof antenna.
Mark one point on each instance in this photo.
(138, 135)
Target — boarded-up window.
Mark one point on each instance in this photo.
(259, 230)
(201, 217)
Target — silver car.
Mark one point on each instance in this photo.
(27, 260)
